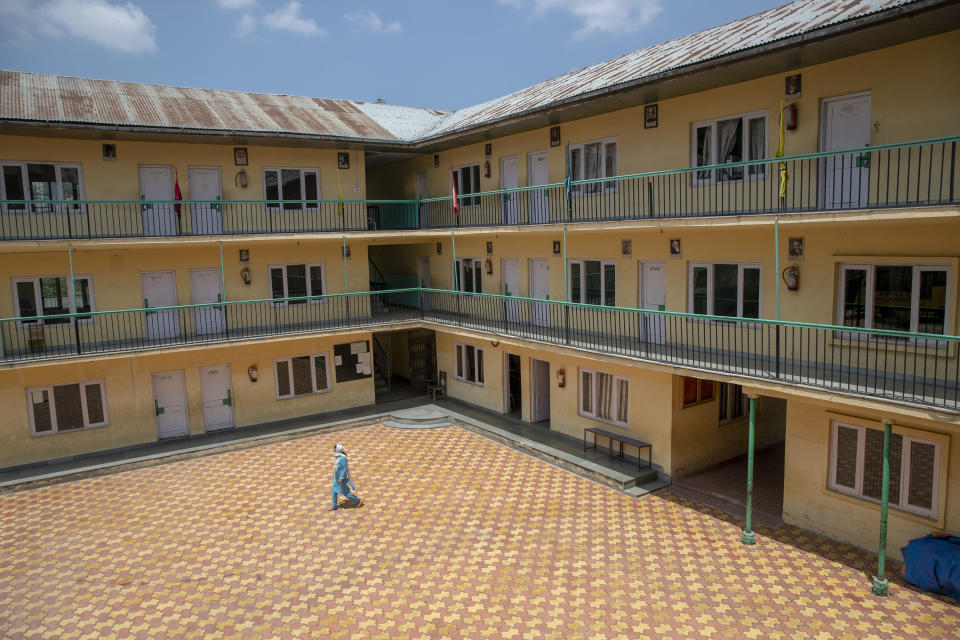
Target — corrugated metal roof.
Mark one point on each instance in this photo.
(33, 97)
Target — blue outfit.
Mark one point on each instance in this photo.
(342, 482)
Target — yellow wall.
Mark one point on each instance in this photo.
(809, 504)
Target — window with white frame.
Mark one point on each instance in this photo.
(67, 407)
(291, 185)
(718, 289)
(50, 295)
(297, 281)
(733, 139)
(467, 181)
(856, 467)
(594, 160)
(41, 181)
(593, 282)
(467, 274)
(895, 297)
(732, 403)
(469, 365)
(604, 396)
(302, 375)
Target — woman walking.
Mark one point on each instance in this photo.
(341, 478)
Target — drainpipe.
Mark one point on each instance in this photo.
(566, 289)
(776, 275)
(749, 537)
(223, 293)
(880, 583)
(346, 284)
(456, 273)
(71, 289)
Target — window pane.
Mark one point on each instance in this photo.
(55, 299)
(689, 390)
(592, 268)
(610, 285)
(723, 408)
(922, 472)
(13, 186)
(81, 297)
(316, 280)
(302, 380)
(70, 184)
(751, 293)
(706, 390)
(467, 276)
(283, 378)
(276, 282)
(737, 402)
(610, 163)
(43, 184)
(476, 276)
(758, 144)
(41, 410)
(66, 402)
(933, 301)
(703, 150)
(471, 364)
(26, 298)
(730, 147)
(604, 395)
(271, 188)
(459, 350)
(700, 290)
(725, 289)
(586, 391)
(873, 465)
(623, 397)
(854, 297)
(290, 179)
(476, 183)
(310, 185)
(296, 282)
(576, 295)
(591, 154)
(891, 298)
(320, 372)
(576, 162)
(94, 399)
(846, 457)
(480, 365)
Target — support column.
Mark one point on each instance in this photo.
(880, 583)
(749, 537)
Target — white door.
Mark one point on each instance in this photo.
(421, 194)
(159, 219)
(846, 177)
(160, 290)
(540, 289)
(539, 199)
(205, 185)
(170, 404)
(423, 272)
(509, 179)
(511, 287)
(217, 397)
(539, 390)
(205, 288)
(653, 297)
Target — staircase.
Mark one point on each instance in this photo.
(378, 282)
(381, 367)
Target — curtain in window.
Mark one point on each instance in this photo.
(757, 128)
(586, 391)
(576, 162)
(622, 400)
(592, 166)
(730, 147)
(610, 163)
(704, 136)
(604, 395)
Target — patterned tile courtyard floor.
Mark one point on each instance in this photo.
(460, 537)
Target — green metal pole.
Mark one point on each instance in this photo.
(346, 285)
(776, 257)
(566, 285)
(456, 272)
(749, 537)
(72, 282)
(72, 289)
(880, 583)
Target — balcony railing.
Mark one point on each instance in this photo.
(921, 173)
(915, 368)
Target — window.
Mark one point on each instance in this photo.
(467, 274)
(67, 407)
(593, 160)
(734, 139)
(301, 376)
(593, 282)
(733, 403)
(725, 290)
(37, 181)
(894, 297)
(467, 181)
(291, 184)
(469, 363)
(297, 281)
(856, 467)
(604, 396)
(696, 390)
(50, 295)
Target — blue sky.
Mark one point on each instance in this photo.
(424, 53)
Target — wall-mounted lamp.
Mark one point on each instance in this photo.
(252, 372)
(245, 275)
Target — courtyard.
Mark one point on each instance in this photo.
(459, 537)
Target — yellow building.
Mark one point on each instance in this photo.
(626, 251)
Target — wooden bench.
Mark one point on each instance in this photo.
(616, 437)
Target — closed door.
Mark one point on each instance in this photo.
(539, 390)
(539, 200)
(159, 218)
(846, 177)
(159, 290)
(423, 272)
(205, 288)
(421, 194)
(509, 179)
(511, 287)
(170, 404)
(217, 397)
(205, 186)
(540, 289)
(653, 298)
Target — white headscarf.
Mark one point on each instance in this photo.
(337, 452)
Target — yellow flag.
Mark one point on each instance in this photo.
(340, 195)
(784, 176)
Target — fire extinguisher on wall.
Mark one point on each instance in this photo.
(561, 378)
(791, 277)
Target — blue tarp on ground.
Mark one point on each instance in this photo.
(933, 564)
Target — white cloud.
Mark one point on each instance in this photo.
(237, 4)
(288, 18)
(611, 16)
(371, 20)
(245, 25)
(122, 26)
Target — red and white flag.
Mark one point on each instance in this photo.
(453, 192)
